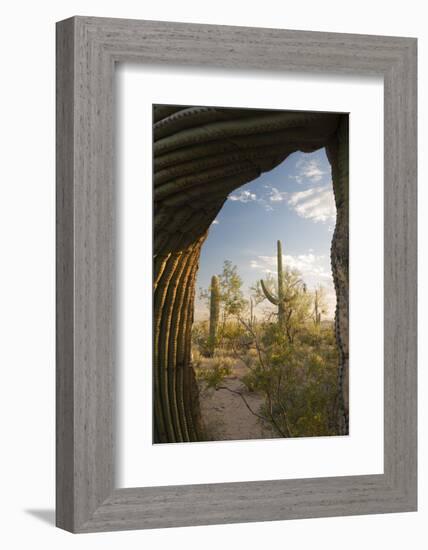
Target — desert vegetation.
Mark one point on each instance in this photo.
(269, 358)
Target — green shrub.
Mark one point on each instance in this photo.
(215, 374)
(298, 381)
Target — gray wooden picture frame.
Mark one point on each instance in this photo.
(87, 50)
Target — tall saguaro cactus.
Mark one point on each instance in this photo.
(279, 300)
(317, 308)
(214, 313)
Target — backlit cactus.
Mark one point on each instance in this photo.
(317, 309)
(214, 314)
(279, 300)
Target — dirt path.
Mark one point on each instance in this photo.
(225, 415)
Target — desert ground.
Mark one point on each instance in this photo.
(225, 414)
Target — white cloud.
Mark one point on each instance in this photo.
(249, 196)
(277, 196)
(298, 196)
(308, 169)
(308, 264)
(215, 222)
(244, 196)
(316, 203)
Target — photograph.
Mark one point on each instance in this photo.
(250, 274)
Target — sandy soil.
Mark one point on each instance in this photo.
(225, 415)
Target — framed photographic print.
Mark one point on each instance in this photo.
(236, 274)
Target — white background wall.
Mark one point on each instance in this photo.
(27, 272)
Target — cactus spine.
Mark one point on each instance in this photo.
(214, 313)
(279, 300)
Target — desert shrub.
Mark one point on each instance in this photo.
(298, 380)
(196, 358)
(200, 338)
(214, 374)
(234, 336)
(318, 335)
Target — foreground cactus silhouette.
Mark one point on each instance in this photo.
(214, 314)
(279, 300)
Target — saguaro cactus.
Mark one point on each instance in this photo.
(317, 309)
(279, 300)
(214, 313)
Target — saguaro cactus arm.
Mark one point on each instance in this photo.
(268, 294)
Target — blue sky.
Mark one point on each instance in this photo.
(294, 203)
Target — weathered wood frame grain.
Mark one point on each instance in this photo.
(87, 50)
